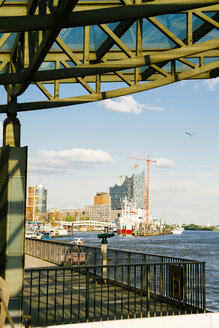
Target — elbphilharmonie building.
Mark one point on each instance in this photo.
(133, 189)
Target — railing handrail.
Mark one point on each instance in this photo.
(115, 250)
(55, 268)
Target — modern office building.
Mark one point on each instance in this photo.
(102, 198)
(101, 210)
(41, 196)
(36, 202)
(133, 189)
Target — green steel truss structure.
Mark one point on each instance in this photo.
(140, 44)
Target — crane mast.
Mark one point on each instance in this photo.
(148, 161)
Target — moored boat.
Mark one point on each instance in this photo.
(177, 230)
(130, 219)
(77, 241)
(33, 234)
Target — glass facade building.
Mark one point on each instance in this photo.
(133, 189)
(41, 197)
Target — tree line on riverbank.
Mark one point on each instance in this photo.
(201, 228)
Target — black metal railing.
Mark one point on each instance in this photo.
(62, 253)
(133, 284)
(62, 295)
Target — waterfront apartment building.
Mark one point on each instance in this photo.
(133, 189)
(36, 202)
(102, 198)
(101, 210)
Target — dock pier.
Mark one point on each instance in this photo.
(77, 288)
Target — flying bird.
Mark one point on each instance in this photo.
(190, 134)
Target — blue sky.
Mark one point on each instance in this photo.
(80, 150)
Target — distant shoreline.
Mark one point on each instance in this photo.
(194, 227)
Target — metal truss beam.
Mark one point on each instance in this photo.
(90, 56)
(98, 16)
(61, 12)
(86, 69)
(176, 77)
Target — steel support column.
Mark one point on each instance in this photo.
(13, 173)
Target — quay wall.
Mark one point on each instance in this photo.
(204, 320)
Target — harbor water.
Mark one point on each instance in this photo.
(194, 245)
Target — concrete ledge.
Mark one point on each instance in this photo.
(205, 320)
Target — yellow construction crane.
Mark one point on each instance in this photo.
(136, 167)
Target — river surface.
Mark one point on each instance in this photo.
(193, 245)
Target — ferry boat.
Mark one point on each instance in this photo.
(77, 241)
(178, 230)
(130, 218)
(33, 234)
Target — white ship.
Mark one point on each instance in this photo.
(177, 230)
(130, 218)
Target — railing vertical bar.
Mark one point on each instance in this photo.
(185, 287)
(204, 294)
(115, 282)
(122, 292)
(87, 296)
(141, 290)
(116, 257)
(148, 290)
(201, 288)
(179, 291)
(63, 296)
(161, 289)
(79, 293)
(135, 291)
(47, 295)
(192, 287)
(167, 277)
(71, 288)
(188, 287)
(108, 291)
(95, 256)
(197, 286)
(38, 307)
(155, 289)
(31, 285)
(55, 297)
(95, 281)
(101, 295)
(128, 291)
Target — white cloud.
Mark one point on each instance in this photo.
(127, 104)
(212, 83)
(164, 162)
(155, 108)
(64, 161)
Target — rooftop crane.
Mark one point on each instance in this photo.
(136, 167)
(120, 177)
(148, 160)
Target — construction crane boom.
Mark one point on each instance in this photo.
(148, 160)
